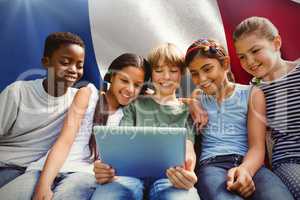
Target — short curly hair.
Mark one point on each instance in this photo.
(54, 40)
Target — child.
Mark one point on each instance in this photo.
(232, 144)
(160, 109)
(257, 44)
(32, 112)
(68, 170)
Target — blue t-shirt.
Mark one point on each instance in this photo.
(226, 132)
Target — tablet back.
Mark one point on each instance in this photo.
(141, 151)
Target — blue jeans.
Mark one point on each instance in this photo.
(9, 173)
(133, 189)
(212, 176)
(66, 186)
(162, 189)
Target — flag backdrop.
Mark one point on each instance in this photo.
(112, 27)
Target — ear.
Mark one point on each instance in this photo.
(111, 77)
(226, 62)
(46, 62)
(277, 42)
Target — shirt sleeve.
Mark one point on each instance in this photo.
(129, 117)
(9, 106)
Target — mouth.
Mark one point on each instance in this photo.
(166, 84)
(70, 78)
(126, 96)
(254, 67)
(206, 85)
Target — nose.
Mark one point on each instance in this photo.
(72, 68)
(166, 75)
(201, 78)
(250, 60)
(130, 89)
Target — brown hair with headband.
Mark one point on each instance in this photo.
(207, 48)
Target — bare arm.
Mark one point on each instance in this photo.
(240, 178)
(255, 156)
(184, 177)
(190, 154)
(63, 144)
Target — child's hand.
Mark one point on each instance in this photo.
(182, 178)
(103, 172)
(239, 180)
(42, 192)
(199, 115)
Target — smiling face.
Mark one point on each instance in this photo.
(208, 74)
(166, 79)
(258, 55)
(126, 84)
(65, 64)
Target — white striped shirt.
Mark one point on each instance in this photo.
(283, 113)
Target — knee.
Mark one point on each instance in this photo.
(75, 187)
(22, 187)
(162, 189)
(177, 194)
(124, 188)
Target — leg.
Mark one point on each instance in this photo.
(162, 189)
(289, 173)
(269, 187)
(21, 188)
(8, 174)
(74, 186)
(122, 188)
(212, 184)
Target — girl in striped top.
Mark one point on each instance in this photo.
(258, 43)
(232, 143)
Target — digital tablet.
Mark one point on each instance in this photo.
(141, 151)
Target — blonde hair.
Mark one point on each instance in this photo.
(261, 26)
(168, 54)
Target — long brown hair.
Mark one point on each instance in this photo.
(100, 118)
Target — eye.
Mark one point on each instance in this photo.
(158, 70)
(65, 62)
(80, 66)
(207, 68)
(255, 51)
(137, 85)
(124, 80)
(174, 70)
(241, 57)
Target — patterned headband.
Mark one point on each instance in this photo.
(206, 46)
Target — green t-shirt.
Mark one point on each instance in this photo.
(147, 112)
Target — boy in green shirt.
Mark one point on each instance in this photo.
(161, 109)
